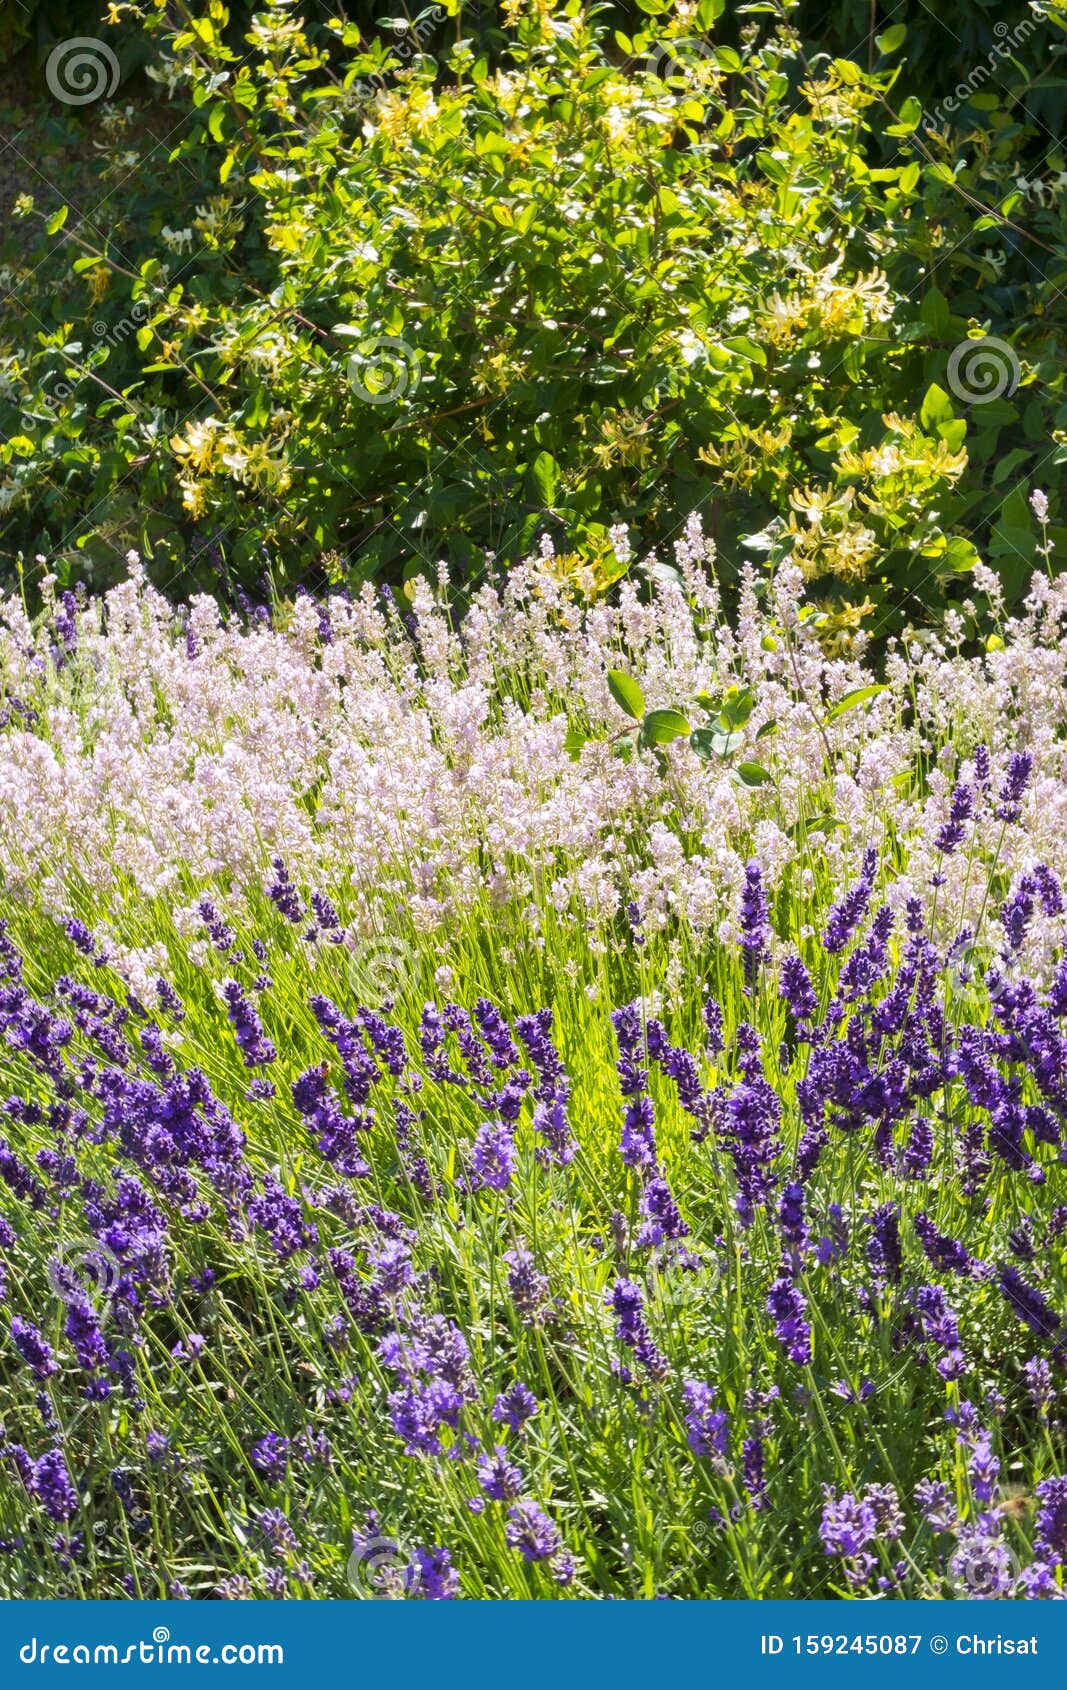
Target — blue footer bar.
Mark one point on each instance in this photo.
(546, 1646)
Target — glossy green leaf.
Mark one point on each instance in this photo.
(852, 700)
(626, 693)
(659, 727)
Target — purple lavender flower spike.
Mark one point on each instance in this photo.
(846, 915)
(432, 1577)
(707, 1427)
(515, 1406)
(1051, 1522)
(795, 987)
(53, 1486)
(848, 1527)
(961, 809)
(34, 1349)
(628, 1302)
(531, 1532)
(283, 894)
(1017, 779)
(493, 1156)
(499, 1478)
(255, 1047)
(787, 1304)
(755, 922)
(1033, 1309)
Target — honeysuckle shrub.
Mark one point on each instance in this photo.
(33, 22)
(390, 303)
(996, 50)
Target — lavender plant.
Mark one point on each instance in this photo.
(308, 1296)
(460, 1140)
(480, 769)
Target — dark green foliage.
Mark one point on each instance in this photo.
(371, 297)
